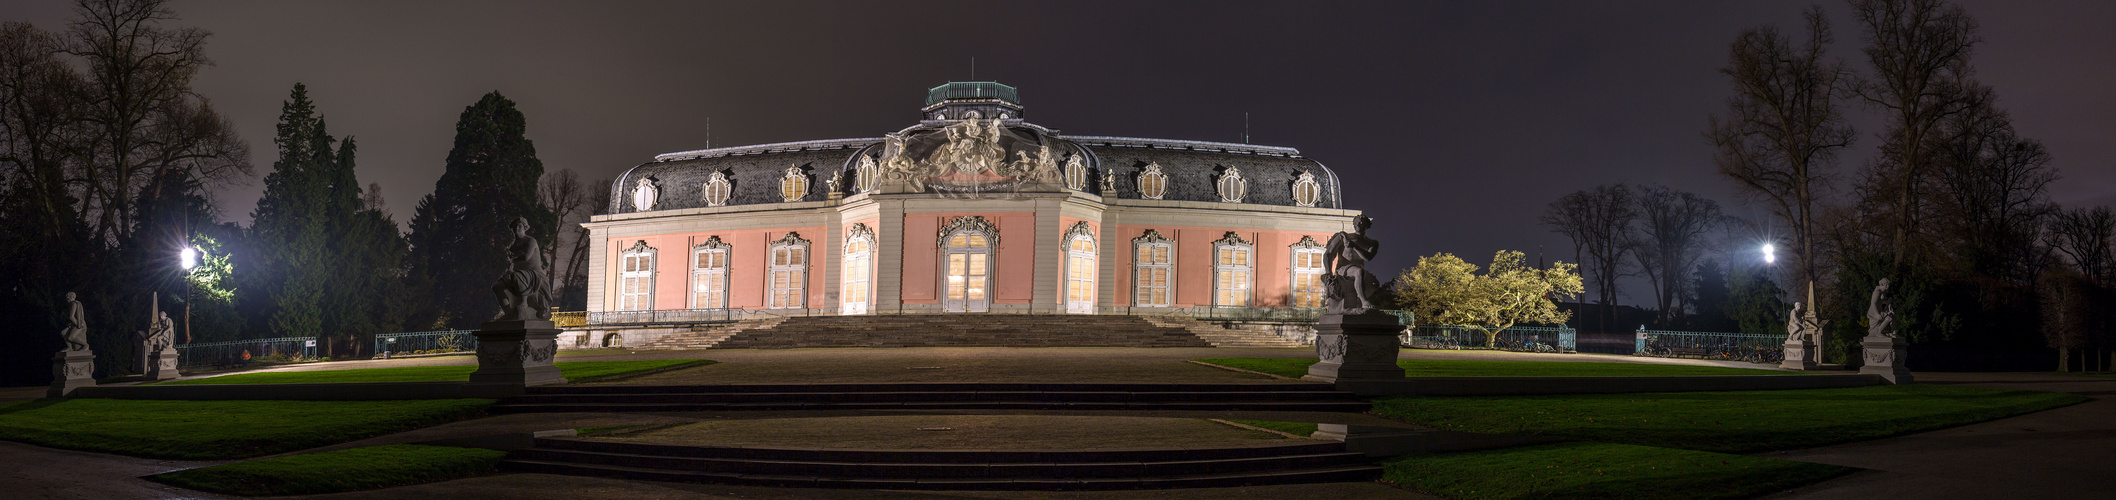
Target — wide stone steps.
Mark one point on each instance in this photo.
(934, 396)
(964, 330)
(1222, 337)
(948, 470)
(707, 337)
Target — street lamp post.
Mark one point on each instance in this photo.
(190, 261)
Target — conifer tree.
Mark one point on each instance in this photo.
(289, 267)
(460, 233)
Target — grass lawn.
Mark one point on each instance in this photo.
(572, 370)
(1302, 429)
(1728, 422)
(1296, 367)
(1601, 470)
(206, 430)
(341, 470)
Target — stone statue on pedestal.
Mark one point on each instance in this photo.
(1800, 329)
(515, 348)
(1882, 350)
(158, 344)
(74, 367)
(524, 292)
(1355, 340)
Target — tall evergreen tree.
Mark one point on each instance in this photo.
(460, 233)
(290, 266)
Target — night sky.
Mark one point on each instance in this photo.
(1453, 123)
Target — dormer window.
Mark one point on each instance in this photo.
(794, 185)
(1152, 183)
(717, 189)
(644, 195)
(1075, 174)
(1232, 186)
(1306, 191)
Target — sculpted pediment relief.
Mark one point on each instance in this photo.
(971, 156)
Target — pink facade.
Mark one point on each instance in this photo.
(750, 250)
(1194, 262)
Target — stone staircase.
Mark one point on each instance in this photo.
(947, 470)
(1220, 336)
(966, 330)
(933, 396)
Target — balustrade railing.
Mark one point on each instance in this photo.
(600, 318)
(1517, 338)
(274, 350)
(568, 319)
(435, 342)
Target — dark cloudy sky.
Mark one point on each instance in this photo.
(1453, 123)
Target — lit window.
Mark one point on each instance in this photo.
(789, 272)
(859, 248)
(1080, 269)
(794, 185)
(1232, 186)
(1152, 183)
(1307, 273)
(1306, 192)
(635, 283)
(1232, 270)
(709, 274)
(1153, 258)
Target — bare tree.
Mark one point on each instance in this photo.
(563, 193)
(597, 202)
(1990, 188)
(2088, 237)
(1783, 129)
(372, 199)
(144, 120)
(1599, 221)
(1920, 52)
(1672, 231)
(40, 116)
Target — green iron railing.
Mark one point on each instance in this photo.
(1764, 348)
(1517, 338)
(277, 350)
(434, 342)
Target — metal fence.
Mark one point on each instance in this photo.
(276, 350)
(1764, 348)
(663, 316)
(436, 342)
(1518, 338)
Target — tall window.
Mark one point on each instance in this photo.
(859, 248)
(1307, 273)
(1232, 270)
(967, 242)
(635, 283)
(709, 274)
(1080, 269)
(789, 272)
(1152, 258)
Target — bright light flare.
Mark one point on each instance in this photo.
(1770, 253)
(190, 258)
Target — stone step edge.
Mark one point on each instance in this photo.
(1031, 459)
(1293, 476)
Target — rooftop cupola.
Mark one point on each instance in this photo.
(956, 100)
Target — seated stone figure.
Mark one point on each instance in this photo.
(1349, 288)
(523, 292)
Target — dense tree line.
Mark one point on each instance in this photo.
(107, 162)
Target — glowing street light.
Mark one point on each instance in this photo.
(1770, 253)
(190, 258)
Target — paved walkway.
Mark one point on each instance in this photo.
(2068, 452)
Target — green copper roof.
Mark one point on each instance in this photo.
(972, 90)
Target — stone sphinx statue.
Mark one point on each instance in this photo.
(524, 291)
(1349, 288)
(1880, 317)
(76, 332)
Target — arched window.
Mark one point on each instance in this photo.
(789, 272)
(858, 269)
(717, 189)
(794, 185)
(1307, 273)
(1233, 269)
(709, 274)
(1152, 183)
(1232, 186)
(1306, 192)
(868, 174)
(644, 195)
(1153, 258)
(1080, 269)
(635, 281)
(966, 243)
(1075, 174)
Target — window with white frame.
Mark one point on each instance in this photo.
(859, 268)
(717, 189)
(1306, 191)
(709, 274)
(635, 281)
(1307, 273)
(1152, 183)
(1152, 257)
(794, 185)
(789, 272)
(1233, 269)
(1080, 269)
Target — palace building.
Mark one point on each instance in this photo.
(970, 210)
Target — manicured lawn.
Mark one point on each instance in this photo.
(205, 430)
(1601, 470)
(1302, 429)
(572, 370)
(1296, 367)
(341, 470)
(1729, 422)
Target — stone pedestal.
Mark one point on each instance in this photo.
(162, 366)
(71, 370)
(513, 355)
(1884, 357)
(1799, 355)
(1355, 348)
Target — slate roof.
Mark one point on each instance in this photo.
(1192, 168)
